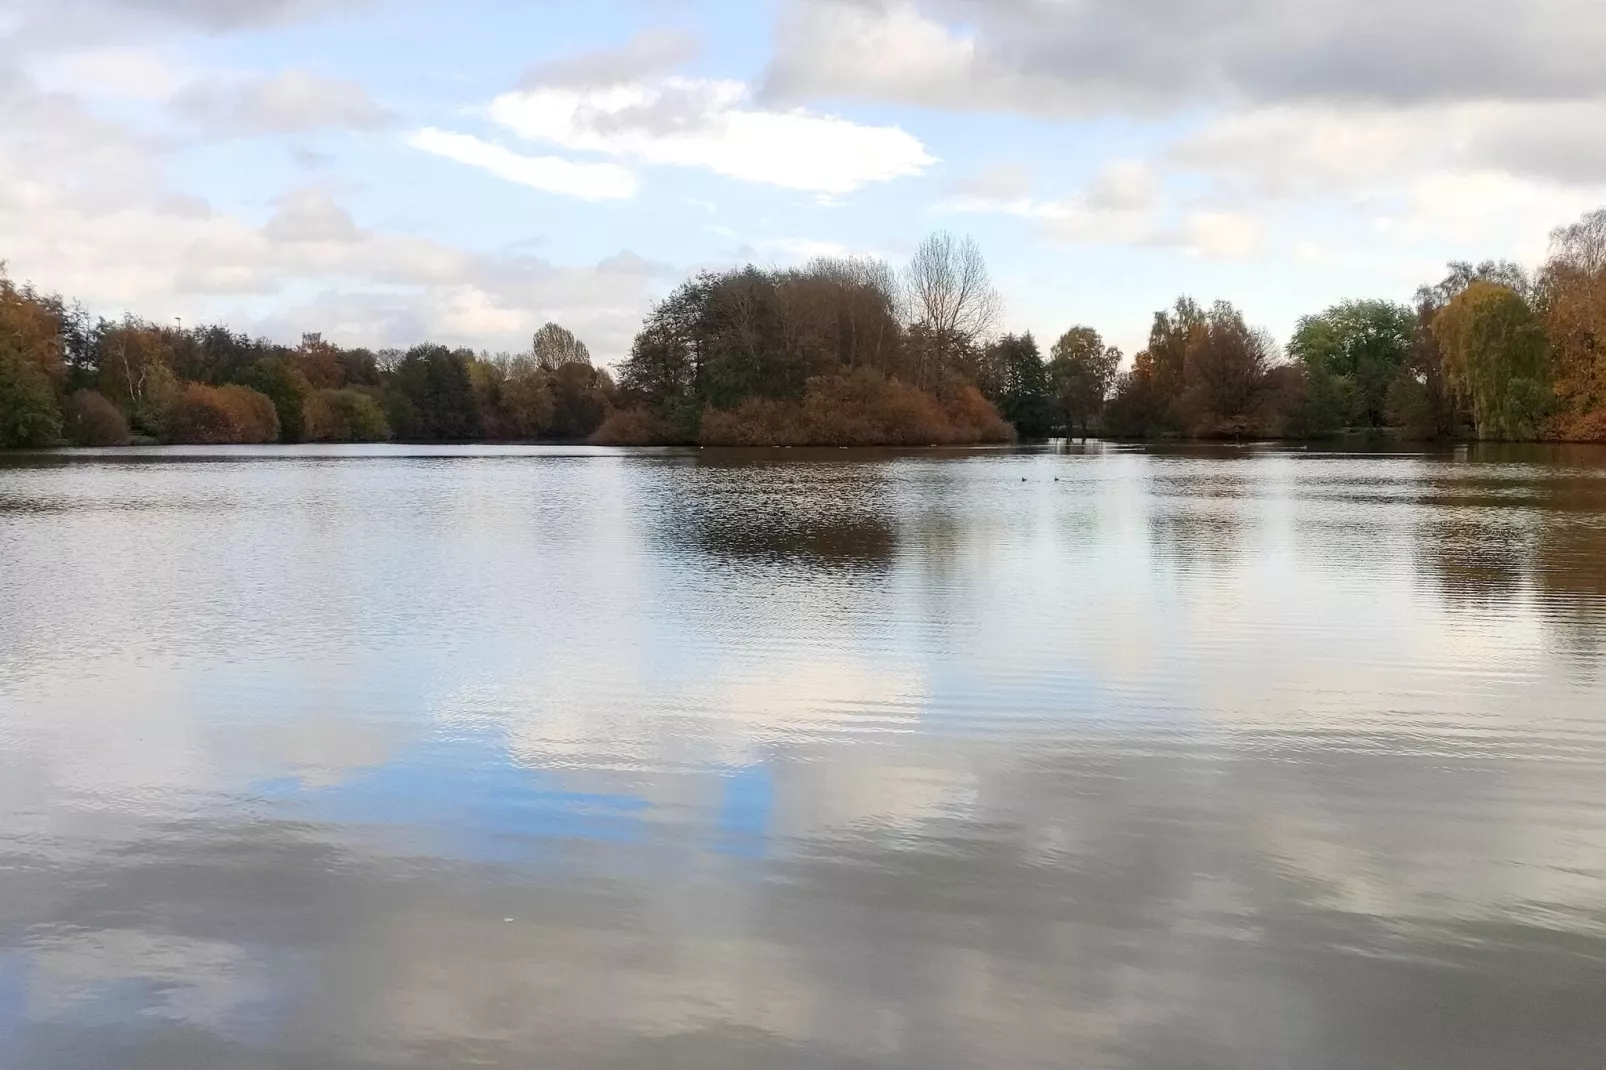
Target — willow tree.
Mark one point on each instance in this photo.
(1495, 355)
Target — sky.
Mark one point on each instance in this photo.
(385, 171)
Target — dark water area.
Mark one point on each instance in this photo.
(573, 758)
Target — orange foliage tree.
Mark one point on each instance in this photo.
(31, 368)
(94, 421)
(1573, 292)
(221, 415)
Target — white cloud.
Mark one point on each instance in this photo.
(1290, 150)
(646, 55)
(1489, 208)
(119, 73)
(709, 125)
(1303, 104)
(56, 21)
(1121, 204)
(804, 249)
(1460, 175)
(550, 174)
(998, 182)
(85, 208)
(1218, 235)
(286, 102)
(231, 104)
(1061, 58)
(888, 51)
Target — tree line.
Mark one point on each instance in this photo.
(68, 378)
(1489, 352)
(848, 351)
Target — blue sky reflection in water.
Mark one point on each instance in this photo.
(421, 757)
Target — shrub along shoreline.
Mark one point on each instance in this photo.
(849, 352)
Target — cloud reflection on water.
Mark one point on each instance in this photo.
(1238, 759)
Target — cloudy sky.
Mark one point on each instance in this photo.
(387, 170)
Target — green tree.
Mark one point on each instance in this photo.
(1016, 381)
(31, 366)
(1352, 354)
(347, 415)
(286, 387)
(1081, 374)
(527, 400)
(29, 413)
(581, 398)
(431, 396)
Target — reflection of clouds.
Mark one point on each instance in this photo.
(201, 983)
(121, 739)
(672, 746)
(324, 752)
(102, 740)
(1133, 760)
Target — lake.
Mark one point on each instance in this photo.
(1086, 757)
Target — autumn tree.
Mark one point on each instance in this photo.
(1226, 391)
(1496, 356)
(1147, 401)
(1422, 402)
(720, 338)
(747, 347)
(1170, 337)
(851, 303)
(135, 372)
(31, 368)
(318, 362)
(91, 420)
(1081, 374)
(1135, 407)
(220, 415)
(359, 367)
(1572, 288)
(1460, 274)
(346, 415)
(29, 413)
(514, 394)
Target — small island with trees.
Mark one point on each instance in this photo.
(846, 352)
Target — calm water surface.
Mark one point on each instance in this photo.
(1097, 758)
